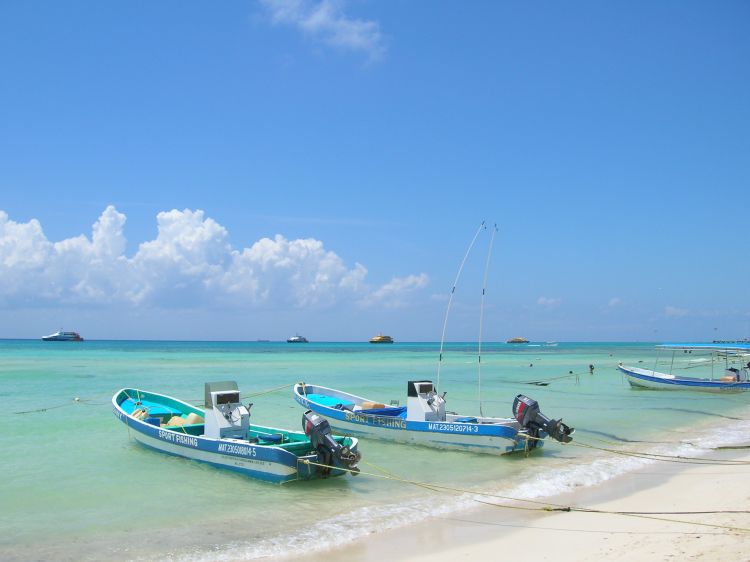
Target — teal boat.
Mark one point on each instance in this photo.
(222, 435)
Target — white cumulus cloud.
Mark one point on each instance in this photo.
(326, 21)
(394, 293)
(190, 264)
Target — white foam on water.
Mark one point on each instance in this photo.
(551, 479)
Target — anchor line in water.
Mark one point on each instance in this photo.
(251, 394)
(450, 301)
(74, 401)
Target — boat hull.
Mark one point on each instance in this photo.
(263, 462)
(483, 438)
(63, 336)
(653, 380)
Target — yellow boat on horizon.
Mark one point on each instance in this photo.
(380, 338)
(517, 340)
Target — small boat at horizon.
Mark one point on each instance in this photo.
(424, 420)
(63, 336)
(732, 361)
(297, 339)
(380, 338)
(221, 435)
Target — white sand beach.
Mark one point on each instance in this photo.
(492, 533)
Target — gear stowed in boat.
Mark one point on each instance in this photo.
(223, 436)
(424, 420)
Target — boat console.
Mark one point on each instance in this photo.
(423, 402)
(226, 416)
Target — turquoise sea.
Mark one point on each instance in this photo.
(75, 487)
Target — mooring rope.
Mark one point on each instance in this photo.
(659, 457)
(546, 506)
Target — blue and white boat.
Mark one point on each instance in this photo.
(223, 436)
(725, 367)
(63, 336)
(424, 421)
(297, 339)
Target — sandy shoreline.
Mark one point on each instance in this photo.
(489, 533)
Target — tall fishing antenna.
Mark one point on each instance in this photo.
(481, 319)
(450, 300)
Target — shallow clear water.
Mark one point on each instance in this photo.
(77, 487)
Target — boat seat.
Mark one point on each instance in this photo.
(330, 401)
(154, 409)
(393, 411)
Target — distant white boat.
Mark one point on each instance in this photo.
(726, 369)
(63, 336)
(297, 339)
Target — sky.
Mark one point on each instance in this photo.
(249, 170)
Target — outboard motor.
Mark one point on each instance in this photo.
(526, 411)
(330, 452)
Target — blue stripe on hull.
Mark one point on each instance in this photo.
(251, 473)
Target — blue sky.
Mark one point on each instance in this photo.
(243, 170)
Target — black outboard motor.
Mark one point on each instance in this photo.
(526, 411)
(330, 452)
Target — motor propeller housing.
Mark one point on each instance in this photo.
(527, 413)
(330, 452)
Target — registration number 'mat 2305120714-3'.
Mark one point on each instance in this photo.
(453, 427)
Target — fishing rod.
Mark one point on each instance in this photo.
(450, 301)
(481, 319)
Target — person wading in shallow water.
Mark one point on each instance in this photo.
(591, 369)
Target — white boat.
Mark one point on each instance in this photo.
(725, 367)
(63, 336)
(223, 436)
(424, 421)
(297, 339)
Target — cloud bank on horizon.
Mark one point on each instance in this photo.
(190, 264)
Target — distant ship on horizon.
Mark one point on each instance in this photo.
(380, 338)
(517, 340)
(63, 336)
(297, 339)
